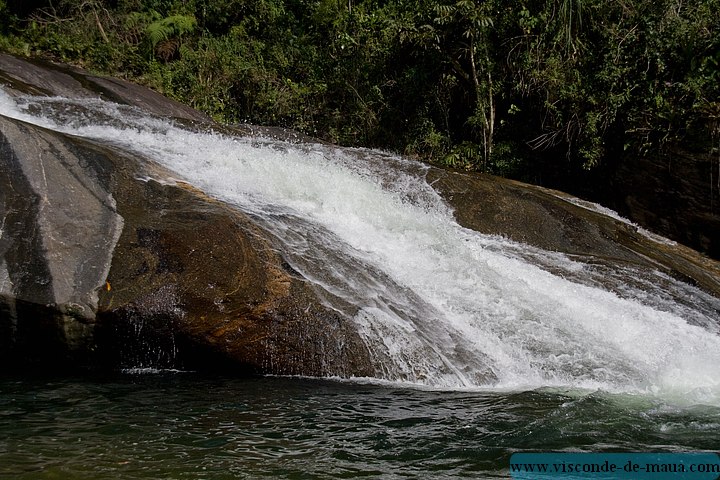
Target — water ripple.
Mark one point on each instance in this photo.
(186, 426)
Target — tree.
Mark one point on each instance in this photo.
(467, 37)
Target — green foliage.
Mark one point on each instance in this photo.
(8, 41)
(571, 13)
(165, 34)
(463, 156)
(170, 27)
(504, 87)
(4, 16)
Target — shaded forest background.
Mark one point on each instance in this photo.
(554, 92)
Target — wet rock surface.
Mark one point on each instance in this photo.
(39, 77)
(677, 195)
(107, 262)
(102, 266)
(549, 219)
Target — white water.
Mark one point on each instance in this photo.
(438, 305)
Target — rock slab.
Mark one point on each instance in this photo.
(106, 263)
(103, 267)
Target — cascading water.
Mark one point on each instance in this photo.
(437, 304)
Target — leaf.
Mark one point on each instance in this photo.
(170, 27)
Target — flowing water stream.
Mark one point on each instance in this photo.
(554, 352)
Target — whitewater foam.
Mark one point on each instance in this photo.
(437, 304)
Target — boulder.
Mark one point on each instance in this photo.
(106, 262)
(555, 221)
(676, 194)
(59, 228)
(103, 267)
(39, 77)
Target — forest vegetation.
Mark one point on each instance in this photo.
(547, 91)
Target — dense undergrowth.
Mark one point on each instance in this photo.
(530, 89)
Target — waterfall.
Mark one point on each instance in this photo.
(437, 304)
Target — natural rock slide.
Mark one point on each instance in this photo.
(104, 266)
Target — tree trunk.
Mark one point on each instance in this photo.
(487, 110)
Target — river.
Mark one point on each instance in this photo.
(482, 346)
(150, 425)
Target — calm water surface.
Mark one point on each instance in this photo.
(187, 426)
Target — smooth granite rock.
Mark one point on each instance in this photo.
(101, 266)
(106, 262)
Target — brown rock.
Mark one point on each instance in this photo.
(547, 219)
(99, 268)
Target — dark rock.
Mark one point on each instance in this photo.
(549, 220)
(196, 270)
(677, 195)
(59, 226)
(101, 268)
(40, 77)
